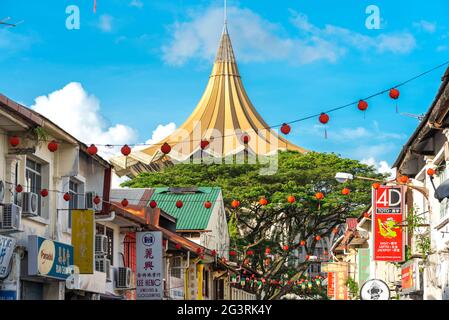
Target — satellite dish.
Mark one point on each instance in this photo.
(442, 192)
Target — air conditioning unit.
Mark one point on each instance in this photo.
(2, 191)
(101, 244)
(10, 217)
(29, 203)
(89, 199)
(123, 278)
(103, 264)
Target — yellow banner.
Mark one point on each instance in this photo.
(83, 240)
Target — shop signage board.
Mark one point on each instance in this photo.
(363, 264)
(388, 213)
(48, 258)
(7, 246)
(83, 240)
(330, 285)
(8, 295)
(337, 278)
(149, 266)
(410, 276)
(374, 289)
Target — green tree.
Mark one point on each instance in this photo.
(253, 226)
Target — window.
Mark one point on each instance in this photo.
(176, 264)
(205, 283)
(73, 203)
(33, 175)
(108, 232)
(443, 176)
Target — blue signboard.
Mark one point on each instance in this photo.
(48, 258)
(8, 295)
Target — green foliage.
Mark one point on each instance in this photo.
(414, 223)
(255, 226)
(353, 288)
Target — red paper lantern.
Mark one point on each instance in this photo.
(207, 205)
(199, 251)
(44, 193)
(178, 246)
(318, 238)
(204, 144)
(403, 179)
(245, 138)
(235, 204)
(165, 148)
(285, 248)
(285, 129)
(153, 204)
(213, 253)
(319, 196)
(263, 202)
(92, 150)
(126, 150)
(19, 188)
(179, 204)
(302, 243)
(232, 253)
(363, 105)
(97, 200)
(324, 118)
(14, 141)
(307, 257)
(267, 250)
(124, 202)
(345, 191)
(431, 172)
(67, 196)
(394, 94)
(249, 252)
(291, 199)
(376, 185)
(52, 146)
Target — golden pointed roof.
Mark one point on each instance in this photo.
(223, 115)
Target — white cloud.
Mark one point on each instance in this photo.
(77, 112)
(426, 26)
(136, 3)
(105, 23)
(256, 39)
(161, 132)
(353, 133)
(381, 166)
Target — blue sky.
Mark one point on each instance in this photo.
(135, 65)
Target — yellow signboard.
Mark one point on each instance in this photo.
(83, 238)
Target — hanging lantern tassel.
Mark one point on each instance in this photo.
(95, 6)
(324, 119)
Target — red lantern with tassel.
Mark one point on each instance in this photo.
(291, 199)
(235, 204)
(263, 201)
(92, 150)
(179, 204)
(318, 238)
(345, 191)
(302, 243)
(124, 203)
(97, 200)
(204, 144)
(19, 188)
(213, 253)
(178, 246)
(207, 205)
(362, 105)
(153, 204)
(44, 193)
(267, 250)
(324, 119)
(245, 138)
(52, 146)
(165, 148)
(67, 196)
(285, 129)
(14, 141)
(232, 253)
(249, 252)
(126, 150)
(394, 94)
(285, 248)
(431, 172)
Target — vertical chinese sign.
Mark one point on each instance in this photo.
(388, 213)
(363, 265)
(330, 285)
(337, 277)
(149, 268)
(83, 240)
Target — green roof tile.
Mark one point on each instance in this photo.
(193, 215)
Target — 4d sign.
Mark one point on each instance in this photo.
(388, 213)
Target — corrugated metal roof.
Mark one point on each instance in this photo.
(193, 215)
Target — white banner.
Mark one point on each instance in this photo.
(149, 266)
(7, 246)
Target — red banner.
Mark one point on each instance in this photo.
(330, 285)
(388, 213)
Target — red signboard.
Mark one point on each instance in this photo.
(407, 277)
(330, 285)
(388, 213)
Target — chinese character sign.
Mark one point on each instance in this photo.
(364, 265)
(149, 268)
(388, 204)
(83, 240)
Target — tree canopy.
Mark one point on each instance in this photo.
(278, 223)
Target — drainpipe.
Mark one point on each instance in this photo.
(110, 217)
